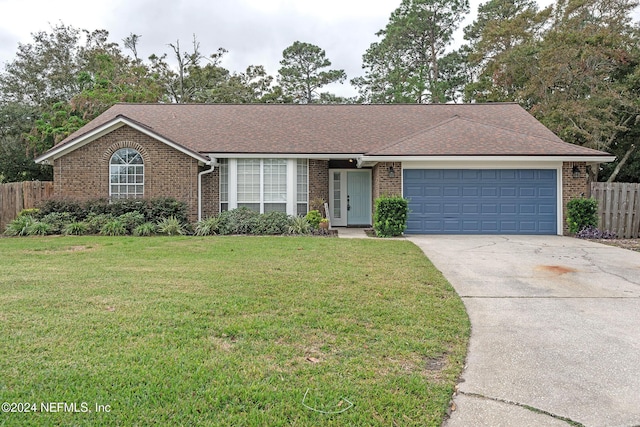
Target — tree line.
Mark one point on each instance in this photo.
(574, 65)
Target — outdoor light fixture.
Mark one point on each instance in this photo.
(575, 171)
(392, 172)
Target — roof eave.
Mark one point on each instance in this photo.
(492, 158)
(263, 155)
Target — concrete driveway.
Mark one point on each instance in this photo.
(555, 329)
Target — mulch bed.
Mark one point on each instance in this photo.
(631, 244)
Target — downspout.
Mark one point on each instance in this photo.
(211, 163)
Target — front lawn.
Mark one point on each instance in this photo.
(231, 331)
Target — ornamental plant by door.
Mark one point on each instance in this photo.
(390, 217)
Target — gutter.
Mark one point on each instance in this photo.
(211, 163)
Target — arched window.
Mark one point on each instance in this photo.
(126, 174)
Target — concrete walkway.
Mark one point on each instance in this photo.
(351, 233)
(555, 330)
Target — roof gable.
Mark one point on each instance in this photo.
(71, 144)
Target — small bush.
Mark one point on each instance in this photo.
(390, 217)
(113, 227)
(299, 225)
(272, 223)
(71, 207)
(121, 207)
(39, 228)
(207, 227)
(19, 226)
(593, 233)
(76, 228)
(95, 222)
(146, 229)
(29, 212)
(314, 218)
(170, 226)
(131, 220)
(582, 213)
(96, 207)
(166, 207)
(58, 221)
(238, 221)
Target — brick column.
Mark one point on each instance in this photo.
(572, 187)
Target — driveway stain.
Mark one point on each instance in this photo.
(556, 269)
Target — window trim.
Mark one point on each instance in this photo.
(291, 184)
(141, 185)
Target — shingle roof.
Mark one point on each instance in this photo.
(500, 129)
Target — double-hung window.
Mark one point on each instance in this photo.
(264, 185)
(248, 179)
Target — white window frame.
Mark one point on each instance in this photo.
(137, 185)
(291, 180)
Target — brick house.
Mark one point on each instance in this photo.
(466, 168)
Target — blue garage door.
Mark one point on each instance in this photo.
(469, 201)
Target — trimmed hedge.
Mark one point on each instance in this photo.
(390, 217)
(582, 213)
(153, 210)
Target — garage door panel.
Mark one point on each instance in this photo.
(546, 209)
(450, 191)
(547, 192)
(509, 201)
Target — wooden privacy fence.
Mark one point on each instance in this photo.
(618, 207)
(16, 196)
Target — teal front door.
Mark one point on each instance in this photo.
(359, 198)
(350, 197)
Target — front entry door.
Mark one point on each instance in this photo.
(350, 197)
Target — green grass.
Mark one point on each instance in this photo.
(227, 331)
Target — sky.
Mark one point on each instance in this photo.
(255, 32)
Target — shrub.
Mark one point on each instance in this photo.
(146, 229)
(590, 232)
(170, 226)
(165, 207)
(19, 226)
(57, 221)
(314, 218)
(77, 228)
(238, 221)
(113, 227)
(29, 212)
(207, 227)
(61, 205)
(390, 217)
(131, 220)
(39, 228)
(95, 222)
(582, 213)
(299, 225)
(96, 207)
(119, 207)
(272, 223)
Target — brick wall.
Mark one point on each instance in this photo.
(211, 193)
(383, 184)
(572, 187)
(318, 180)
(83, 174)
